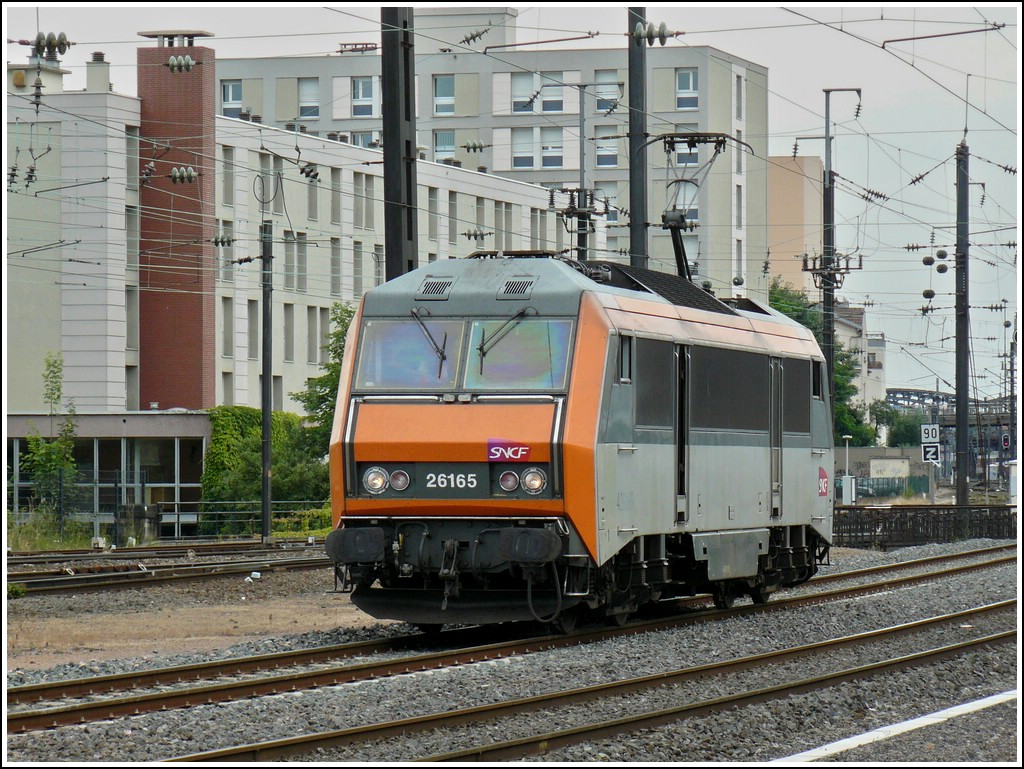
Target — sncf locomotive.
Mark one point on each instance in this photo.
(522, 436)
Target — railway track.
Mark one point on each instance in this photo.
(40, 718)
(69, 580)
(160, 551)
(542, 743)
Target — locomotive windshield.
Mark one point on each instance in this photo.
(414, 354)
(419, 353)
(518, 355)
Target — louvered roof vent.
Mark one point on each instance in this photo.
(435, 288)
(517, 287)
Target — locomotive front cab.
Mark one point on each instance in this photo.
(451, 455)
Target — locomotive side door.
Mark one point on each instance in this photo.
(775, 436)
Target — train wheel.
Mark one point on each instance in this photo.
(566, 621)
(617, 620)
(723, 595)
(759, 595)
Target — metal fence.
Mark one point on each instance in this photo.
(203, 520)
(905, 525)
(886, 488)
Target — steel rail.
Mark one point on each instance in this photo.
(159, 574)
(445, 719)
(544, 743)
(114, 707)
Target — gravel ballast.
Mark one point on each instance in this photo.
(761, 732)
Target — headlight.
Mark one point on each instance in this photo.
(375, 480)
(534, 480)
(399, 480)
(508, 481)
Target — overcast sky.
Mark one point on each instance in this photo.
(918, 97)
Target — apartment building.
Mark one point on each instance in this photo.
(556, 118)
(133, 251)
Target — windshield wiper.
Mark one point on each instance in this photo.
(486, 345)
(438, 349)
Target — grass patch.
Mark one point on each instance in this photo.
(43, 530)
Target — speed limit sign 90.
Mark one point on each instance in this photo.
(929, 433)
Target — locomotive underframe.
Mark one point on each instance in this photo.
(454, 570)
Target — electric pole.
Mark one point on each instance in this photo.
(963, 325)
(635, 17)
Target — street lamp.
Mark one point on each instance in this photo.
(849, 493)
(847, 439)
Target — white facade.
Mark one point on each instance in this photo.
(71, 267)
(526, 115)
(328, 241)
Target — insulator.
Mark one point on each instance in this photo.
(942, 268)
(928, 261)
(928, 294)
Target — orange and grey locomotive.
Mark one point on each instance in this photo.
(529, 437)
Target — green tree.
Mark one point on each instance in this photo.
(847, 418)
(233, 470)
(321, 393)
(50, 462)
(904, 427)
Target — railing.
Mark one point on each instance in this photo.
(905, 525)
(192, 520)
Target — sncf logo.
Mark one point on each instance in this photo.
(506, 451)
(822, 482)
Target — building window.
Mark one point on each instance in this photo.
(551, 92)
(227, 327)
(502, 225)
(432, 213)
(335, 266)
(739, 97)
(363, 201)
(289, 260)
(362, 97)
(685, 154)
(444, 94)
(444, 145)
(230, 98)
(279, 181)
(607, 197)
(312, 335)
(551, 147)
(362, 138)
(378, 263)
(453, 217)
(686, 88)
(301, 270)
(313, 199)
(739, 151)
(739, 206)
(227, 251)
(254, 329)
(325, 334)
(685, 200)
(538, 227)
(737, 267)
(335, 196)
(607, 147)
(357, 268)
(289, 332)
(522, 148)
(522, 91)
(228, 176)
(607, 89)
(309, 97)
